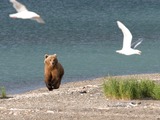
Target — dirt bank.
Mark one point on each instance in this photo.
(77, 101)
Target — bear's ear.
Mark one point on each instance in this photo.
(46, 55)
(55, 55)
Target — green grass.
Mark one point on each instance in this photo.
(156, 92)
(3, 92)
(131, 88)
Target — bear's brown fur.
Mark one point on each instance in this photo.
(53, 72)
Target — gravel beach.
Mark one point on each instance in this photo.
(82, 100)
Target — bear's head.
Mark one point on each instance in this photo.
(50, 60)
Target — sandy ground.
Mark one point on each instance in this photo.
(77, 101)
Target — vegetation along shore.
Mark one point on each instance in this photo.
(83, 100)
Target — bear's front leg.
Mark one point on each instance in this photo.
(56, 85)
(49, 86)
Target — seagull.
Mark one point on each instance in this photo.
(127, 39)
(24, 13)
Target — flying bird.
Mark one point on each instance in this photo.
(127, 40)
(24, 13)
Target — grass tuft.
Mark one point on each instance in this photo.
(131, 88)
(156, 92)
(3, 92)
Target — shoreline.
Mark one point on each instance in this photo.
(150, 76)
(78, 100)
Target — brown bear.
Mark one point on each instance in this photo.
(53, 72)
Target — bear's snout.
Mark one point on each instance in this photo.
(53, 63)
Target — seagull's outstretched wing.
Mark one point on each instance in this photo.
(136, 43)
(39, 20)
(127, 36)
(18, 6)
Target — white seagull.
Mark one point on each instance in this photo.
(24, 13)
(127, 39)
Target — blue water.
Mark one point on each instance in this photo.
(84, 35)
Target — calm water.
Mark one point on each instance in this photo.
(84, 35)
